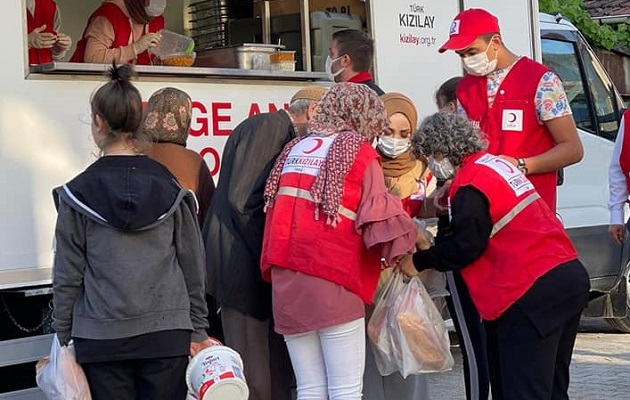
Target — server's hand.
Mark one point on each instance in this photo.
(63, 43)
(146, 42)
(38, 39)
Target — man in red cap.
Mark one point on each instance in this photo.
(518, 103)
(523, 110)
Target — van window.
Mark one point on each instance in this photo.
(602, 94)
(562, 58)
(588, 89)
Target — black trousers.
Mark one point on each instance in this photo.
(152, 379)
(524, 365)
(472, 338)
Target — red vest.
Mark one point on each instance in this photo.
(122, 32)
(527, 241)
(624, 156)
(44, 15)
(294, 239)
(511, 125)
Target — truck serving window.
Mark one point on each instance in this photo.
(284, 39)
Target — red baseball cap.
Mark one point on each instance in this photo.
(467, 26)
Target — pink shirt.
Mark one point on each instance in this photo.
(304, 303)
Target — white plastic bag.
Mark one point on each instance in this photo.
(61, 377)
(419, 336)
(378, 328)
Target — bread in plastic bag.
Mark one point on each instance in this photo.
(378, 328)
(420, 338)
(60, 377)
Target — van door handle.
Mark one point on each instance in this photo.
(560, 178)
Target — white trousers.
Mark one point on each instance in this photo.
(329, 363)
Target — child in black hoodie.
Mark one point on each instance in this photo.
(129, 272)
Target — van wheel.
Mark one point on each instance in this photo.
(622, 324)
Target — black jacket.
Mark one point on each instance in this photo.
(372, 85)
(234, 227)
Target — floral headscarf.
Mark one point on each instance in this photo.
(356, 115)
(168, 116)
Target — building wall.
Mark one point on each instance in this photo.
(618, 67)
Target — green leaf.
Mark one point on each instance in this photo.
(599, 35)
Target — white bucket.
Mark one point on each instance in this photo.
(216, 373)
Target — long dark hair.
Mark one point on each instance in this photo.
(137, 11)
(119, 104)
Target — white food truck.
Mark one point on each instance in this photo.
(45, 135)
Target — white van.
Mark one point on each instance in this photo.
(44, 140)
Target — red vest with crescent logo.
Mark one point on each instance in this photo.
(122, 32)
(527, 239)
(624, 156)
(511, 125)
(44, 15)
(295, 240)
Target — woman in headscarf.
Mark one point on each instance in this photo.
(167, 122)
(329, 221)
(407, 178)
(121, 31)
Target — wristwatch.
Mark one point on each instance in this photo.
(522, 166)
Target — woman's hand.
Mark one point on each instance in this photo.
(440, 197)
(196, 347)
(146, 42)
(405, 265)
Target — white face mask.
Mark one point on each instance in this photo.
(329, 64)
(480, 64)
(392, 147)
(442, 170)
(155, 8)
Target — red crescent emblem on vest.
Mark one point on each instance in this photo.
(512, 117)
(317, 146)
(507, 164)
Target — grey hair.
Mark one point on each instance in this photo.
(447, 135)
(299, 106)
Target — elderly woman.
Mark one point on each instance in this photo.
(329, 221)
(519, 264)
(167, 122)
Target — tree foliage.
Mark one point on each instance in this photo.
(600, 35)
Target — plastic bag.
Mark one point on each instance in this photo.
(434, 281)
(61, 377)
(419, 336)
(378, 328)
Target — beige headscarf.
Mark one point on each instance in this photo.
(168, 116)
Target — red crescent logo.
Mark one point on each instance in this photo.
(507, 164)
(513, 115)
(317, 146)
